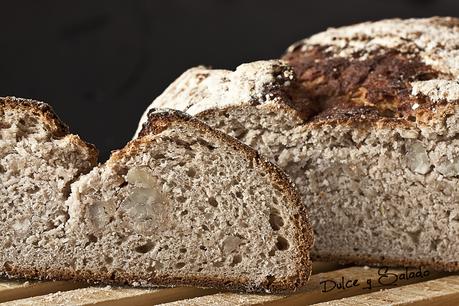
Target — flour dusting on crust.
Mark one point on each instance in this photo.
(434, 40)
(199, 89)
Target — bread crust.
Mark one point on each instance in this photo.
(53, 123)
(39, 109)
(386, 71)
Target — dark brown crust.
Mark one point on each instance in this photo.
(39, 109)
(164, 119)
(341, 87)
(48, 117)
(124, 278)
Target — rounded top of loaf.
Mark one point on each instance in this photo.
(389, 68)
(435, 40)
(200, 89)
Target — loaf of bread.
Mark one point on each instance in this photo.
(181, 205)
(365, 120)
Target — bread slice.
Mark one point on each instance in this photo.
(187, 205)
(39, 160)
(182, 205)
(365, 121)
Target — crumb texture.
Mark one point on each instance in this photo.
(186, 207)
(38, 161)
(182, 205)
(375, 157)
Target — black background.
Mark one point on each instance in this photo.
(100, 63)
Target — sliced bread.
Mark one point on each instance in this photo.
(187, 205)
(365, 121)
(181, 205)
(39, 160)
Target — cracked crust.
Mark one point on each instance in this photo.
(386, 71)
(391, 74)
(393, 68)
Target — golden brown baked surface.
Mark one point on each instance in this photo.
(386, 69)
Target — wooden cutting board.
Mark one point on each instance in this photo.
(330, 284)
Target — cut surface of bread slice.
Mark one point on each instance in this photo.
(365, 121)
(39, 160)
(187, 205)
(182, 205)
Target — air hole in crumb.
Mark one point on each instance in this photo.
(120, 240)
(108, 259)
(272, 252)
(104, 269)
(34, 189)
(204, 227)
(412, 118)
(180, 265)
(145, 248)
(213, 202)
(239, 194)
(123, 184)
(203, 248)
(92, 238)
(191, 172)
(50, 225)
(185, 212)
(270, 279)
(282, 243)
(236, 260)
(182, 250)
(4, 125)
(205, 143)
(388, 113)
(159, 156)
(275, 220)
(181, 199)
(8, 266)
(2, 170)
